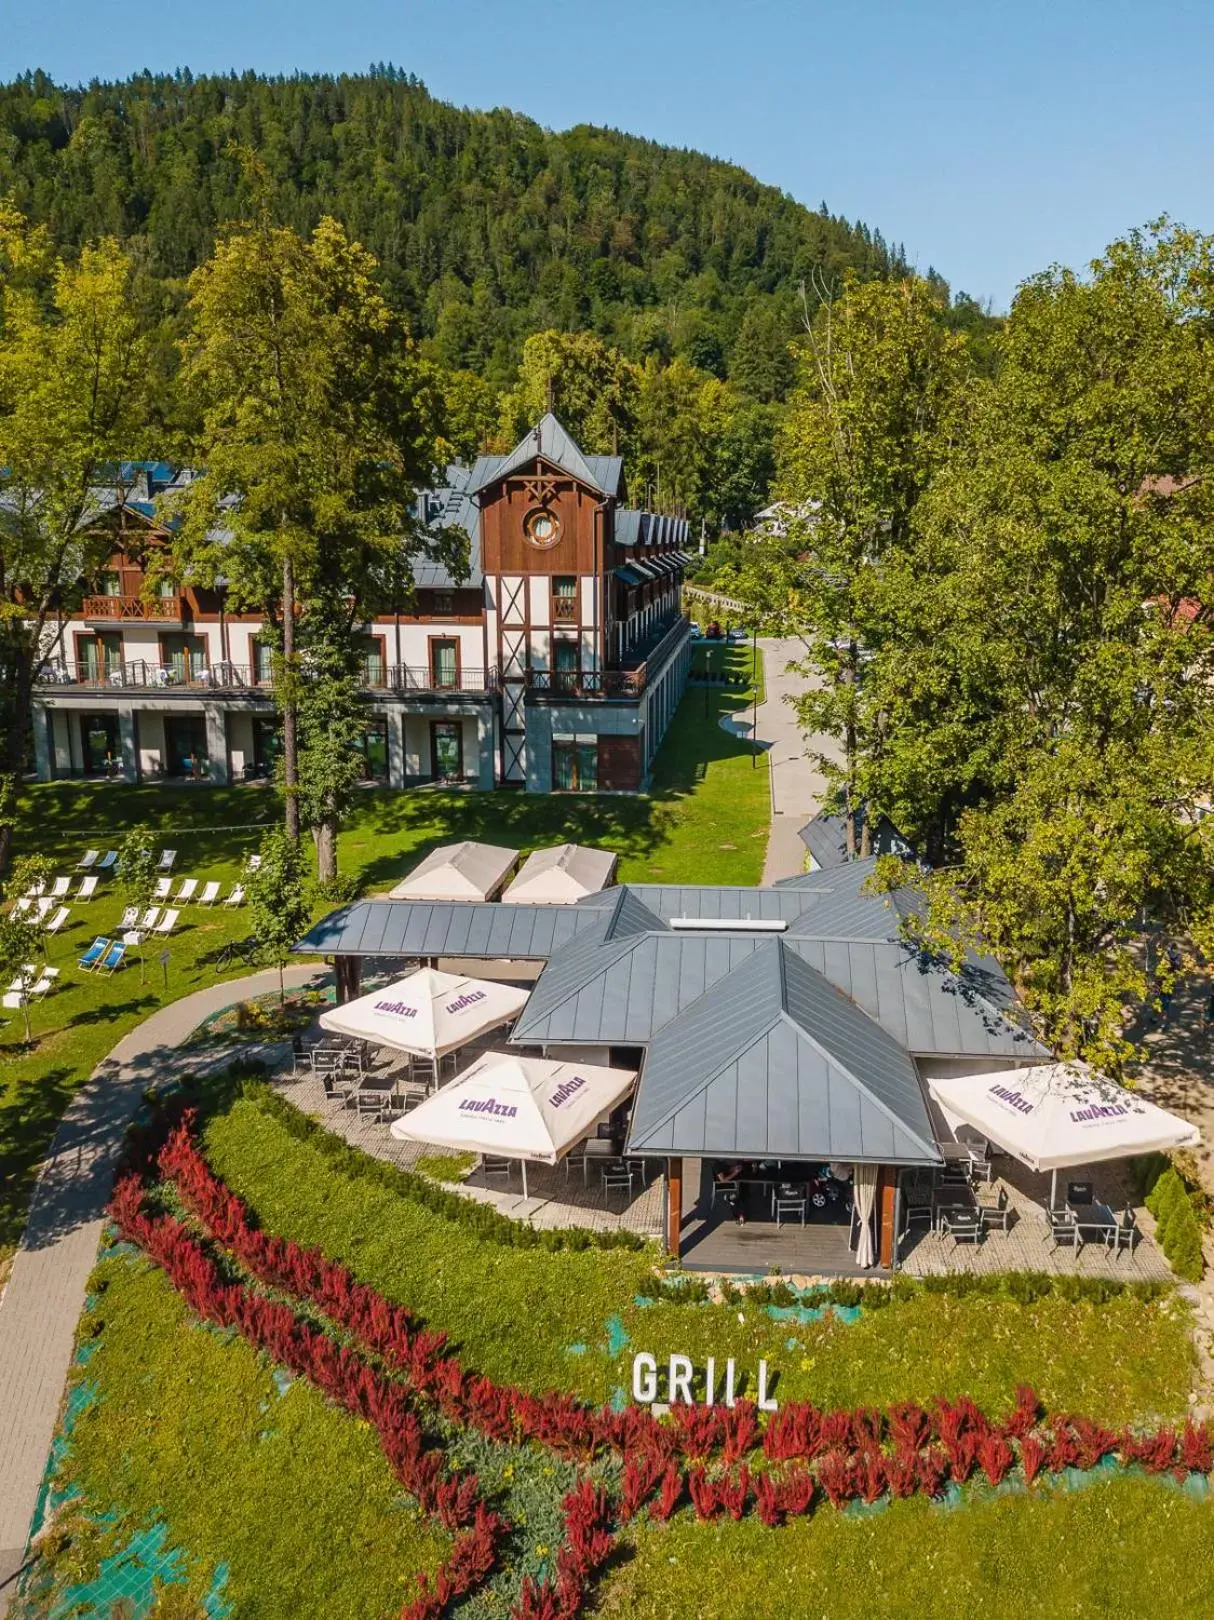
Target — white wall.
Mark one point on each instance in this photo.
(151, 743)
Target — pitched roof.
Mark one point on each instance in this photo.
(774, 1061)
(400, 928)
(825, 837)
(550, 440)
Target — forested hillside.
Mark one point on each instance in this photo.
(486, 226)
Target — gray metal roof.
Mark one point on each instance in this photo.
(626, 526)
(450, 508)
(715, 901)
(550, 440)
(455, 928)
(775, 1062)
(826, 838)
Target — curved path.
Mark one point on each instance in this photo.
(41, 1305)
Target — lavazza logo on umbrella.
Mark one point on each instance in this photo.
(566, 1089)
(1022, 1105)
(488, 1105)
(401, 1009)
(468, 999)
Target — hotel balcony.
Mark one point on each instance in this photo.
(642, 665)
(144, 610)
(144, 674)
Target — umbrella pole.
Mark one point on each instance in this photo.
(523, 1162)
(1053, 1190)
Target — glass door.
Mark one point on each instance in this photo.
(184, 658)
(566, 661)
(444, 663)
(446, 750)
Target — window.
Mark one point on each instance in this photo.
(373, 745)
(184, 657)
(111, 584)
(444, 604)
(575, 764)
(371, 661)
(566, 662)
(263, 663)
(102, 658)
(444, 662)
(564, 599)
(446, 750)
(165, 589)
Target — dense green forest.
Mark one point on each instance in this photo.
(486, 226)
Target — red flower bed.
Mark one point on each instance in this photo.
(705, 1452)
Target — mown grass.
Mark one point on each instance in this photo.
(705, 820)
(188, 1427)
(1121, 1549)
(1125, 1360)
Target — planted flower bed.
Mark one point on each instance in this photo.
(377, 1360)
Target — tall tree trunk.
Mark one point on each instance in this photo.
(324, 835)
(290, 741)
(12, 763)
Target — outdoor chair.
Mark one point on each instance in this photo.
(88, 888)
(1064, 1230)
(36, 888)
(236, 898)
(186, 891)
(60, 887)
(14, 1000)
(922, 1213)
(998, 1214)
(1124, 1234)
(371, 1101)
(790, 1201)
(43, 908)
(41, 987)
(209, 894)
(112, 960)
(88, 860)
(963, 1226)
(149, 919)
(163, 889)
(167, 922)
(253, 863)
(94, 953)
(617, 1178)
(57, 921)
(20, 907)
(108, 861)
(167, 857)
(129, 918)
(334, 1089)
(493, 1165)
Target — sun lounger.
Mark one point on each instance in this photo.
(41, 987)
(167, 922)
(236, 898)
(87, 889)
(35, 889)
(186, 891)
(163, 889)
(94, 953)
(57, 921)
(14, 999)
(209, 894)
(60, 887)
(43, 908)
(129, 917)
(112, 958)
(49, 972)
(87, 860)
(108, 861)
(20, 907)
(149, 918)
(253, 864)
(167, 857)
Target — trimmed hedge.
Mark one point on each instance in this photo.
(1178, 1230)
(1019, 1287)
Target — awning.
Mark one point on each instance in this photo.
(427, 1013)
(629, 574)
(467, 871)
(521, 1108)
(1057, 1115)
(561, 875)
(645, 568)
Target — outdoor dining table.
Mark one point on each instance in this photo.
(1100, 1223)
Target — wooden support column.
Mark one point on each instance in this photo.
(674, 1206)
(887, 1187)
(348, 974)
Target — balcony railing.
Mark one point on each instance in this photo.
(156, 609)
(555, 684)
(145, 674)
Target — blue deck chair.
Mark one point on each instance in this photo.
(94, 954)
(112, 958)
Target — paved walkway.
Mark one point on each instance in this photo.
(45, 1294)
(797, 785)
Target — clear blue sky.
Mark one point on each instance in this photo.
(992, 137)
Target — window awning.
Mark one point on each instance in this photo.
(628, 573)
(646, 570)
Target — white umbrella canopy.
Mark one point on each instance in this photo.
(517, 1107)
(562, 875)
(1057, 1115)
(428, 1013)
(467, 871)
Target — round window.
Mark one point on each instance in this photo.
(542, 528)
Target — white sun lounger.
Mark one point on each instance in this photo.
(167, 922)
(87, 889)
(60, 887)
(87, 860)
(253, 864)
(163, 889)
(236, 898)
(20, 907)
(108, 861)
(186, 891)
(43, 907)
(129, 918)
(36, 889)
(57, 921)
(149, 917)
(167, 857)
(209, 895)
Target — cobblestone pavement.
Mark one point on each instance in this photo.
(797, 785)
(45, 1293)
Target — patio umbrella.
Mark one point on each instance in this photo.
(517, 1107)
(1056, 1115)
(428, 1013)
(562, 875)
(467, 871)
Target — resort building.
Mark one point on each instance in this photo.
(555, 663)
(792, 1026)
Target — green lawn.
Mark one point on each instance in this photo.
(188, 1427)
(1127, 1359)
(705, 820)
(1121, 1549)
